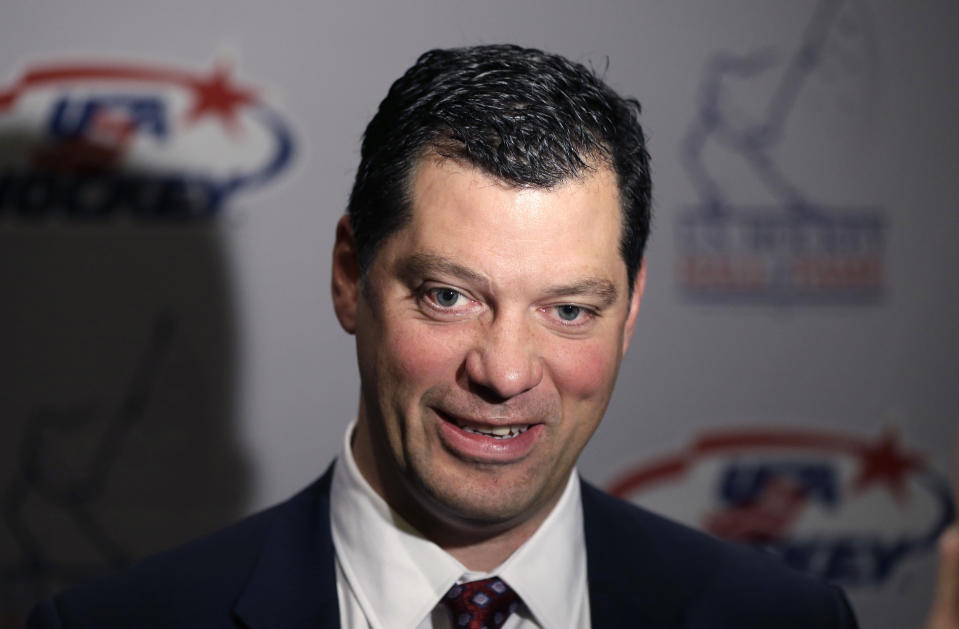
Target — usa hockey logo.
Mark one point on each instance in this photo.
(842, 507)
(756, 234)
(95, 140)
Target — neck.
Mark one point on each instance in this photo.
(480, 547)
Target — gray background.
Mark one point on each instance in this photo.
(257, 380)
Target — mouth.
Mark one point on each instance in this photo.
(488, 439)
(496, 432)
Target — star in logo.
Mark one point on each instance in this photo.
(216, 95)
(886, 463)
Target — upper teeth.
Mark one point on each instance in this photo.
(497, 431)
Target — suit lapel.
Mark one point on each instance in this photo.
(294, 583)
(630, 579)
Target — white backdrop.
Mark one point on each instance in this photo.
(258, 353)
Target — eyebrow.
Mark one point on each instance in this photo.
(420, 264)
(602, 289)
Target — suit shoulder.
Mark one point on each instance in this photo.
(204, 577)
(693, 573)
(633, 527)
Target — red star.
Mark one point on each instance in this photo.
(216, 96)
(885, 462)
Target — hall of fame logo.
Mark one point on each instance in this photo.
(839, 506)
(94, 140)
(781, 246)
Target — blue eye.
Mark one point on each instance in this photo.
(446, 297)
(568, 312)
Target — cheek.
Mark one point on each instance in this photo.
(586, 371)
(420, 356)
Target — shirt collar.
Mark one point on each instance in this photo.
(549, 570)
(377, 549)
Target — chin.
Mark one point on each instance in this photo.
(489, 506)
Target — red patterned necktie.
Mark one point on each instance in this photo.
(482, 604)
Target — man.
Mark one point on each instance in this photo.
(491, 269)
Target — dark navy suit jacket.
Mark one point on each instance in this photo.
(276, 570)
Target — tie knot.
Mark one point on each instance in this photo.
(484, 604)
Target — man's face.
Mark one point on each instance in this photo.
(489, 330)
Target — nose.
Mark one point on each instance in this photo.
(504, 361)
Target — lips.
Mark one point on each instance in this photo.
(498, 428)
(487, 440)
(497, 432)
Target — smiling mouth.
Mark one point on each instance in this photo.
(487, 430)
(497, 432)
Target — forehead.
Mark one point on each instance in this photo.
(460, 213)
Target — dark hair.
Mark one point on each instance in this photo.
(524, 116)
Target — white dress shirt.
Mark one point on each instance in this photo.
(388, 576)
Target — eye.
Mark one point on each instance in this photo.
(443, 303)
(446, 297)
(571, 316)
(568, 312)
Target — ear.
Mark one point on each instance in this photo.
(345, 282)
(639, 285)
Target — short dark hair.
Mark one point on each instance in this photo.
(524, 116)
